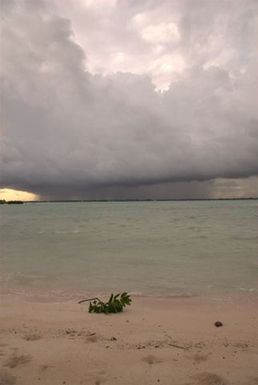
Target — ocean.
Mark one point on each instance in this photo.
(172, 248)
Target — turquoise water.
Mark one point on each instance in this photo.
(157, 248)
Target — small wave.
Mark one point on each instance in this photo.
(247, 289)
(67, 231)
(136, 293)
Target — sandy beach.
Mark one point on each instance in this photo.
(169, 341)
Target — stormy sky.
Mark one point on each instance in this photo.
(129, 99)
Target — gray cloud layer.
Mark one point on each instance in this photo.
(66, 131)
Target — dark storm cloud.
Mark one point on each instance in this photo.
(66, 131)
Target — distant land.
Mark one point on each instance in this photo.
(128, 200)
(3, 202)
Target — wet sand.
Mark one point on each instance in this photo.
(155, 341)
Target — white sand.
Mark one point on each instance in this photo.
(155, 341)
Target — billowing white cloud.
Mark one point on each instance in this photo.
(71, 122)
(162, 33)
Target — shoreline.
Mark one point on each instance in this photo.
(155, 340)
(64, 295)
(67, 293)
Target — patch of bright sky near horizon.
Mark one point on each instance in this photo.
(90, 72)
(13, 195)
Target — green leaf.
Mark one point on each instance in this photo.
(115, 304)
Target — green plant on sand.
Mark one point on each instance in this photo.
(115, 304)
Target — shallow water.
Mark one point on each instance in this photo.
(157, 248)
